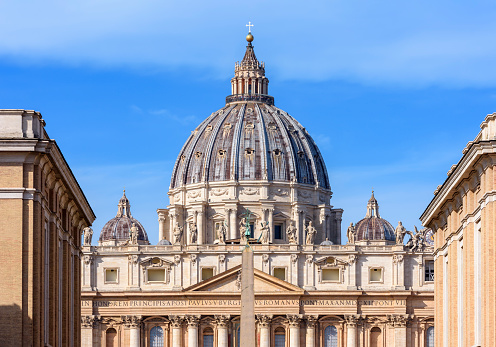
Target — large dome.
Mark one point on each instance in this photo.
(250, 139)
(117, 229)
(373, 227)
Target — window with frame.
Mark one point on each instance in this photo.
(280, 273)
(429, 271)
(331, 336)
(375, 274)
(331, 275)
(156, 337)
(429, 337)
(206, 273)
(278, 232)
(280, 337)
(208, 337)
(112, 275)
(156, 275)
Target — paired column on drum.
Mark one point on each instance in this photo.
(294, 329)
(161, 224)
(193, 321)
(176, 322)
(263, 322)
(233, 226)
(351, 330)
(222, 330)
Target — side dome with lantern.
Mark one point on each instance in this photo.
(117, 230)
(373, 227)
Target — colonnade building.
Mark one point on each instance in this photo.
(252, 165)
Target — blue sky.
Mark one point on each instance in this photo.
(391, 91)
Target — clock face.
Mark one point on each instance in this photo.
(429, 237)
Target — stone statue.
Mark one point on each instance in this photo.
(88, 235)
(400, 233)
(242, 228)
(311, 232)
(291, 233)
(193, 233)
(133, 234)
(417, 241)
(351, 233)
(178, 233)
(222, 234)
(264, 237)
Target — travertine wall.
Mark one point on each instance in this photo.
(43, 212)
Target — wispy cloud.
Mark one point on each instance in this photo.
(183, 120)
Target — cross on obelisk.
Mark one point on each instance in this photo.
(247, 333)
(249, 25)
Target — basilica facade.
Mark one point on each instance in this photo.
(251, 166)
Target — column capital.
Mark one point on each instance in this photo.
(89, 321)
(222, 320)
(193, 320)
(263, 320)
(399, 320)
(131, 321)
(132, 258)
(311, 321)
(397, 258)
(294, 320)
(176, 321)
(352, 319)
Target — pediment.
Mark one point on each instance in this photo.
(230, 282)
(331, 261)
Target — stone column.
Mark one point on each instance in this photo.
(399, 323)
(222, 325)
(233, 229)
(299, 227)
(193, 321)
(171, 227)
(176, 323)
(263, 321)
(161, 226)
(310, 337)
(352, 259)
(134, 323)
(87, 272)
(271, 224)
(294, 330)
(351, 330)
(87, 325)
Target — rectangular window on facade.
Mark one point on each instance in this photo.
(156, 275)
(330, 275)
(278, 232)
(280, 272)
(111, 276)
(206, 273)
(375, 274)
(429, 271)
(252, 230)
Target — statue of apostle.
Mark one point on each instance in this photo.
(133, 234)
(178, 233)
(193, 233)
(400, 233)
(351, 234)
(264, 237)
(88, 235)
(291, 233)
(222, 234)
(311, 232)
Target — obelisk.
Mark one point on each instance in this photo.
(247, 333)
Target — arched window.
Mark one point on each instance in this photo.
(208, 337)
(111, 337)
(331, 336)
(156, 337)
(280, 337)
(429, 337)
(375, 337)
(238, 344)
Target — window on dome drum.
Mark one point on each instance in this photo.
(280, 272)
(375, 274)
(280, 337)
(112, 275)
(156, 275)
(278, 231)
(208, 337)
(249, 151)
(206, 273)
(156, 337)
(330, 275)
(429, 337)
(429, 271)
(331, 336)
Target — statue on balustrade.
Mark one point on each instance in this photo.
(133, 234)
(311, 232)
(222, 234)
(400, 233)
(291, 233)
(193, 233)
(178, 233)
(264, 236)
(88, 235)
(351, 234)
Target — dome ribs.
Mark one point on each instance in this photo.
(235, 144)
(210, 144)
(266, 162)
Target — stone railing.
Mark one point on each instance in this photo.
(266, 99)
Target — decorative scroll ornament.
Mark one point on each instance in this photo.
(280, 192)
(194, 194)
(249, 191)
(219, 191)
